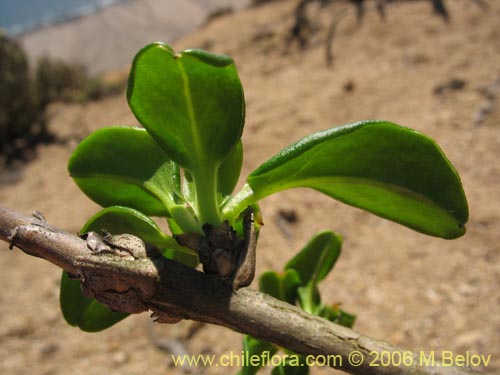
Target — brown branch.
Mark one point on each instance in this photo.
(173, 292)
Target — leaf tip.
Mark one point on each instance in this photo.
(213, 59)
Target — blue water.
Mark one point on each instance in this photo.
(19, 16)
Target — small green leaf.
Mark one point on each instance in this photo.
(346, 319)
(98, 317)
(237, 224)
(85, 313)
(73, 304)
(309, 298)
(125, 166)
(317, 257)
(336, 315)
(230, 170)
(270, 283)
(89, 314)
(389, 170)
(280, 286)
(192, 104)
(253, 349)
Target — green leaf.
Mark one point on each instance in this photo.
(303, 272)
(85, 313)
(336, 315)
(88, 313)
(230, 170)
(317, 257)
(346, 319)
(73, 304)
(118, 220)
(98, 317)
(192, 104)
(392, 171)
(309, 298)
(281, 286)
(253, 349)
(124, 166)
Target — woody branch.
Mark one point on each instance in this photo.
(173, 291)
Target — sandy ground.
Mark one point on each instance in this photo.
(109, 39)
(414, 291)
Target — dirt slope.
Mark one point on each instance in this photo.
(109, 39)
(414, 291)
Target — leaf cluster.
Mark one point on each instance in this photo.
(26, 94)
(185, 162)
(298, 284)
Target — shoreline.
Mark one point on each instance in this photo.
(82, 11)
(107, 40)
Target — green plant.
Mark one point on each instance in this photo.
(298, 284)
(25, 96)
(185, 165)
(58, 81)
(21, 121)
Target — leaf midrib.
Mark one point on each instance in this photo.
(193, 122)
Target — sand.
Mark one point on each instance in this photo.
(108, 40)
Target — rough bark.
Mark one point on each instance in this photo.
(173, 292)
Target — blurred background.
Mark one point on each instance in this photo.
(306, 65)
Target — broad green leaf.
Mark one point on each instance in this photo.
(317, 257)
(191, 103)
(118, 220)
(73, 304)
(124, 166)
(253, 349)
(85, 313)
(98, 317)
(280, 286)
(392, 171)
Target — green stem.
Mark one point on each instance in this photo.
(185, 219)
(206, 205)
(307, 296)
(170, 243)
